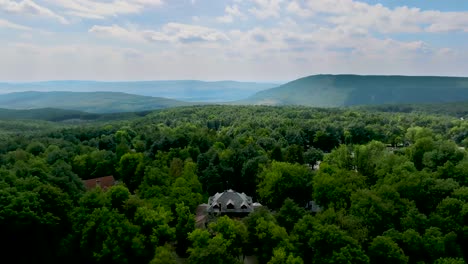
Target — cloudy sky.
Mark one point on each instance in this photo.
(256, 40)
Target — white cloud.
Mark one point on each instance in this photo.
(448, 21)
(295, 8)
(29, 7)
(100, 10)
(317, 45)
(117, 32)
(191, 33)
(225, 19)
(380, 18)
(11, 25)
(316, 36)
(171, 32)
(231, 12)
(266, 8)
(243, 59)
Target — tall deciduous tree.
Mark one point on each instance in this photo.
(282, 180)
(131, 170)
(185, 225)
(384, 250)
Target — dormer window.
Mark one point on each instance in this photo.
(230, 205)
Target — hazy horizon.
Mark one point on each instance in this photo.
(141, 81)
(275, 82)
(187, 90)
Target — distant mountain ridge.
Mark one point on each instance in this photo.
(91, 102)
(184, 90)
(315, 91)
(348, 90)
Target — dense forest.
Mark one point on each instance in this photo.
(392, 187)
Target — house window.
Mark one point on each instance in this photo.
(244, 206)
(230, 206)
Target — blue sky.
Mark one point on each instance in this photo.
(254, 40)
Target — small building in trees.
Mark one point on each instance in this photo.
(103, 182)
(231, 203)
(313, 207)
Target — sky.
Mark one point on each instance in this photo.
(245, 40)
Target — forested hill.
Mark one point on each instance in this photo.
(93, 102)
(347, 90)
(184, 90)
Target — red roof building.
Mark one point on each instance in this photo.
(104, 182)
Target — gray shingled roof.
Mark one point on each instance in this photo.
(230, 197)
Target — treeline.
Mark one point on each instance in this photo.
(61, 115)
(392, 188)
(456, 109)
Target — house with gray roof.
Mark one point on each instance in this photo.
(231, 203)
